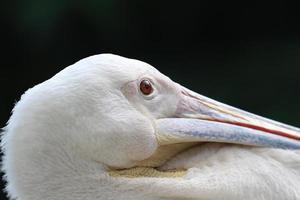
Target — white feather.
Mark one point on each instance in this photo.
(64, 133)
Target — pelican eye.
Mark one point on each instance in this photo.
(146, 87)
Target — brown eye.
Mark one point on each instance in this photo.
(146, 87)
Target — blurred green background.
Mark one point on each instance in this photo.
(244, 54)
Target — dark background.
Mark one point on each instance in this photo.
(246, 55)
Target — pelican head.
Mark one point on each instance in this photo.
(108, 112)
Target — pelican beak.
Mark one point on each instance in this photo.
(200, 119)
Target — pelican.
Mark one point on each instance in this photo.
(113, 128)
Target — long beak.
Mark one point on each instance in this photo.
(200, 119)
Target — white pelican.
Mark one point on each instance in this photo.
(109, 127)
